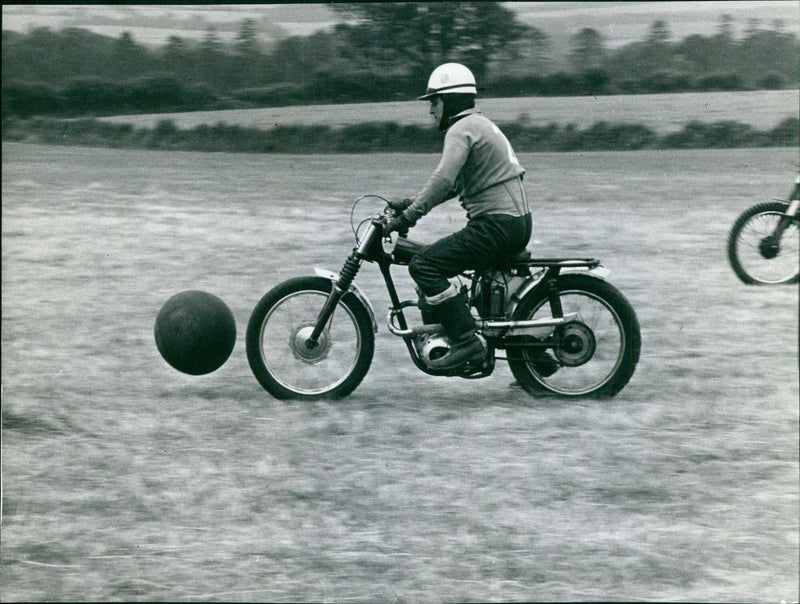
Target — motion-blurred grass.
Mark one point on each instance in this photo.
(125, 480)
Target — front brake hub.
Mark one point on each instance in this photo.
(769, 247)
(299, 344)
(575, 344)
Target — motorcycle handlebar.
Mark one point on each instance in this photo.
(388, 213)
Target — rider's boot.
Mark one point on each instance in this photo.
(459, 326)
(428, 311)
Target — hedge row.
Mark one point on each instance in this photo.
(93, 96)
(389, 137)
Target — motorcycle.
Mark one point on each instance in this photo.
(764, 243)
(563, 329)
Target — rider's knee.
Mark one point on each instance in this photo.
(417, 267)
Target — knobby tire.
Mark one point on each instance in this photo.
(737, 246)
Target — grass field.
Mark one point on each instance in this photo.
(126, 480)
(663, 113)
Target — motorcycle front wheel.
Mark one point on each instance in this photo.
(755, 256)
(593, 355)
(277, 342)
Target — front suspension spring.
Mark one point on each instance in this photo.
(348, 272)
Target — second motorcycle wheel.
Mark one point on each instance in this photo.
(756, 256)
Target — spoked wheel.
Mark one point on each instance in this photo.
(593, 355)
(756, 256)
(277, 342)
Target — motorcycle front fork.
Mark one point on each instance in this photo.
(338, 290)
(346, 276)
(786, 219)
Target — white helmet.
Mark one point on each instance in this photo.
(450, 78)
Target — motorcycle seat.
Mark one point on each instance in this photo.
(524, 259)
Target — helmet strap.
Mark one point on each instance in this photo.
(453, 105)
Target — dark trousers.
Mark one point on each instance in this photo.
(486, 241)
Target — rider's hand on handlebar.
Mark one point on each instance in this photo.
(396, 223)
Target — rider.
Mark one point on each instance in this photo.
(479, 165)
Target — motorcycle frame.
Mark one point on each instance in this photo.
(497, 332)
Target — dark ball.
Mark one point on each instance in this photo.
(195, 332)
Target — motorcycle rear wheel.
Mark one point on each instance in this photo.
(279, 328)
(597, 352)
(755, 262)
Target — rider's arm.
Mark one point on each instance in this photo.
(441, 185)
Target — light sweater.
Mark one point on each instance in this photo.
(477, 164)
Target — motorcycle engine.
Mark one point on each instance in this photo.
(433, 347)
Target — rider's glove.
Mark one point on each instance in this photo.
(397, 223)
(399, 206)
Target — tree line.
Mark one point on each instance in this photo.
(382, 51)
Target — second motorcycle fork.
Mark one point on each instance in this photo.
(791, 212)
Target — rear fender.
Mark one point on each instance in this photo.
(321, 272)
(534, 281)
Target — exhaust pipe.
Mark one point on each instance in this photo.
(487, 327)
